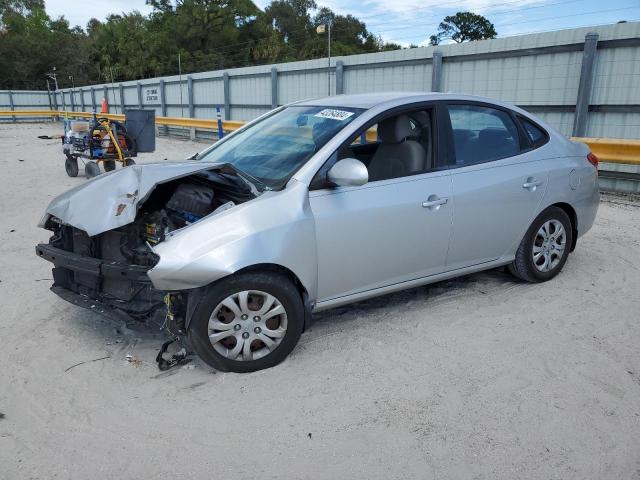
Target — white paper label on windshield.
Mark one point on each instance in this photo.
(333, 114)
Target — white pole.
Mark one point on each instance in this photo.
(329, 60)
(180, 73)
(113, 90)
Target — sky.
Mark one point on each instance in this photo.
(412, 21)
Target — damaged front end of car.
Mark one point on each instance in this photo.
(104, 234)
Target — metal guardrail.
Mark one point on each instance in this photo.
(614, 150)
(29, 113)
(608, 150)
(197, 123)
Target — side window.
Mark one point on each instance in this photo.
(482, 134)
(368, 137)
(535, 133)
(397, 146)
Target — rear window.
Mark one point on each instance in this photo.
(536, 135)
(482, 134)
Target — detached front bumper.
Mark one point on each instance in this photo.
(103, 285)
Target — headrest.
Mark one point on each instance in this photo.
(460, 135)
(494, 136)
(421, 117)
(394, 130)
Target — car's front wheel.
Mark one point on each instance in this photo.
(545, 247)
(247, 322)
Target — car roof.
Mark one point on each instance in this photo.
(370, 100)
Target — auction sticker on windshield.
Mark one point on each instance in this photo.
(333, 114)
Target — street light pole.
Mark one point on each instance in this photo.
(321, 29)
(53, 77)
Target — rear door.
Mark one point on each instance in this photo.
(498, 183)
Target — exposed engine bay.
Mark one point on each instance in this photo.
(110, 268)
(180, 203)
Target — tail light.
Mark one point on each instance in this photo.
(593, 160)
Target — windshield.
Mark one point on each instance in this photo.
(273, 149)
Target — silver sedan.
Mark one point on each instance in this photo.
(318, 204)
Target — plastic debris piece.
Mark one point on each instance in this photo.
(179, 358)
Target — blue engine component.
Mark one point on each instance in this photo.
(187, 216)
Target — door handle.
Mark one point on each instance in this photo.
(531, 184)
(434, 202)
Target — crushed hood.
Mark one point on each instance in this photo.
(110, 200)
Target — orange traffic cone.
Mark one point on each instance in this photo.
(105, 106)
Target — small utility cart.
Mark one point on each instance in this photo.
(101, 140)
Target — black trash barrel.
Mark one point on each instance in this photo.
(141, 126)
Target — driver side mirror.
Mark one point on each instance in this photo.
(348, 172)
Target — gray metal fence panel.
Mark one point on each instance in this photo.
(131, 95)
(540, 72)
(208, 92)
(613, 125)
(411, 77)
(546, 79)
(251, 90)
(617, 77)
(174, 90)
(248, 113)
(301, 85)
(24, 100)
(561, 121)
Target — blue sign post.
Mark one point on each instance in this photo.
(219, 118)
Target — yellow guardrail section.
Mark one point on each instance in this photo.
(611, 150)
(29, 113)
(614, 150)
(199, 123)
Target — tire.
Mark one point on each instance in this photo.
(91, 169)
(224, 355)
(548, 259)
(109, 165)
(71, 166)
(128, 162)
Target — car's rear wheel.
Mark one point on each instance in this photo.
(247, 322)
(544, 248)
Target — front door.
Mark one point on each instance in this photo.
(380, 233)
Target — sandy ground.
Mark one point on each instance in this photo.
(480, 377)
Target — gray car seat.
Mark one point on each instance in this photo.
(424, 135)
(396, 156)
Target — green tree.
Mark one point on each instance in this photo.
(348, 35)
(19, 7)
(291, 19)
(462, 27)
(206, 34)
(31, 44)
